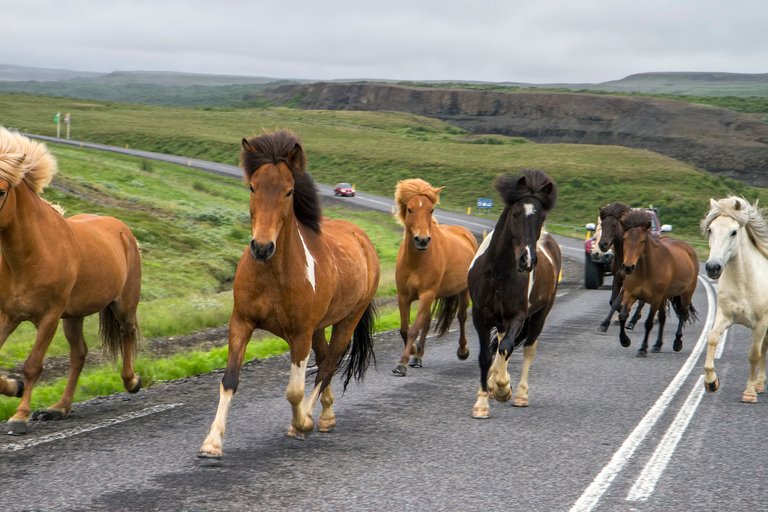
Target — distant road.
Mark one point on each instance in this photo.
(478, 225)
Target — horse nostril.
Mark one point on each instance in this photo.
(262, 252)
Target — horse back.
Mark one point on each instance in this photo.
(685, 263)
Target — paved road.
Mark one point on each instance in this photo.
(605, 431)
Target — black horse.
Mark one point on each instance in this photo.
(513, 283)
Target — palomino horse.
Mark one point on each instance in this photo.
(738, 258)
(300, 274)
(53, 268)
(611, 236)
(657, 270)
(513, 282)
(432, 266)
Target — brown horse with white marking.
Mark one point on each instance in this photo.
(54, 267)
(513, 283)
(657, 270)
(300, 274)
(431, 267)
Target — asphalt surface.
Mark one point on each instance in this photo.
(605, 431)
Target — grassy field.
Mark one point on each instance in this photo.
(193, 226)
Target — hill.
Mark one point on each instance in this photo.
(719, 140)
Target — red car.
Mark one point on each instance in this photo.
(344, 190)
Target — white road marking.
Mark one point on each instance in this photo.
(654, 468)
(603, 480)
(48, 438)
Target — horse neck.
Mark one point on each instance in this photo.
(289, 258)
(498, 251)
(651, 253)
(23, 236)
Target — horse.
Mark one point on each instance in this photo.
(512, 283)
(611, 236)
(737, 233)
(299, 274)
(52, 268)
(432, 265)
(657, 270)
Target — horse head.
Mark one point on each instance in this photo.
(416, 200)
(610, 220)
(529, 199)
(637, 229)
(281, 190)
(722, 227)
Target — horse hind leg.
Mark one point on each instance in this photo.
(521, 393)
(120, 334)
(755, 361)
(73, 331)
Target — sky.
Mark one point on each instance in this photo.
(533, 41)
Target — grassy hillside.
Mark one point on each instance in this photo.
(375, 149)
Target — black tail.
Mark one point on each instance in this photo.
(362, 347)
(445, 310)
(687, 315)
(111, 332)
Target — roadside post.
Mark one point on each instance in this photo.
(57, 120)
(67, 119)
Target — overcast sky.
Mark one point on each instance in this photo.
(539, 41)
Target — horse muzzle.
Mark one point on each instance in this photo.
(628, 269)
(262, 252)
(421, 242)
(714, 269)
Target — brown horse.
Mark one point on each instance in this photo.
(513, 283)
(53, 268)
(657, 270)
(431, 267)
(300, 274)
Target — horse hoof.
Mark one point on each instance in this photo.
(602, 328)
(749, 398)
(137, 387)
(462, 355)
(677, 346)
(399, 370)
(326, 426)
(507, 394)
(713, 386)
(415, 363)
(656, 349)
(625, 341)
(19, 388)
(481, 413)
(520, 402)
(642, 353)
(630, 326)
(759, 388)
(17, 428)
(294, 433)
(48, 415)
(209, 453)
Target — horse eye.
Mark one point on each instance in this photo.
(410, 211)
(2, 192)
(250, 187)
(432, 210)
(289, 194)
(733, 233)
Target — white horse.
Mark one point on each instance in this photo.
(738, 256)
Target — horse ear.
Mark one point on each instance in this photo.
(296, 158)
(13, 159)
(712, 203)
(247, 145)
(548, 187)
(737, 205)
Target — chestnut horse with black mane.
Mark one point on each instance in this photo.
(513, 282)
(300, 274)
(431, 267)
(657, 270)
(612, 236)
(54, 268)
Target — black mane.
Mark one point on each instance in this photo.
(616, 210)
(533, 183)
(636, 218)
(284, 146)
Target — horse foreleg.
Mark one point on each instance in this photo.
(73, 331)
(643, 350)
(9, 387)
(463, 351)
(626, 303)
(760, 383)
(711, 382)
(659, 334)
(636, 317)
(419, 327)
(521, 393)
(615, 305)
(498, 377)
(240, 331)
(33, 367)
(481, 409)
(301, 419)
(755, 358)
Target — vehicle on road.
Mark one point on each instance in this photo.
(597, 264)
(344, 190)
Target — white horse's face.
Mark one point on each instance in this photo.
(723, 234)
(595, 249)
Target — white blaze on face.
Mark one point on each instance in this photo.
(529, 209)
(310, 261)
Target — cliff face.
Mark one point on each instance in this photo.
(715, 139)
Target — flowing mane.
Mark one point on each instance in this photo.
(533, 183)
(284, 146)
(748, 216)
(406, 189)
(23, 159)
(636, 218)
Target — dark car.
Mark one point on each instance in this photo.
(344, 190)
(597, 264)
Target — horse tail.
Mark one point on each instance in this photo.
(112, 333)
(361, 352)
(687, 315)
(445, 310)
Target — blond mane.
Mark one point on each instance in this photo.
(405, 191)
(23, 159)
(748, 216)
